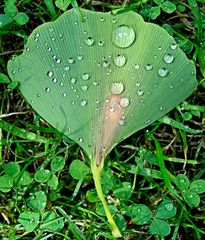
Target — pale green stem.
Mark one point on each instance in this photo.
(96, 171)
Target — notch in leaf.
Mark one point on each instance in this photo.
(101, 80)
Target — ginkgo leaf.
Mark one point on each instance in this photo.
(100, 80)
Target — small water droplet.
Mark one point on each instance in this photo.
(102, 19)
(38, 95)
(71, 60)
(121, 122)
(80, 57)
(137, 84)
(89, 41)
(101, 43)
(64, 94)
(27, 49)
(123, 36)
(53, 39)
(51, 29)
(159, 48)
(148, 67)
(137, 66)
(114, 20)
(54, 80)
(119, 60)
(84, 87)
(47, 89)
(85, 76)
(162, 72)
(173, 46)
(95, 83)
(169, 206)
(140, 92)
(171, 86)
(139, 209)
(49, 49)
(58, 60)
(73, 80)
(162, 108)
(168, 58)
(83, 103)
(66, 68)
(124, 102)
(80, 140)
(50, 73)
(105, 63)
(117, 88)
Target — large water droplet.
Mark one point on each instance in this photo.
(89, 41)
(117, 88)
(148, 67)
(124, 102)
(119, 60)
(168, 58)
(162, 72)
(85, 76)
(83, 103)
(123, 36)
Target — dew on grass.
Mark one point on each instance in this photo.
(73, 80)
(85, 76)
(71, 60)
(140, 92)
(50, 74)
(148, 67)
(83, 102)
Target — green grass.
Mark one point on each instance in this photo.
(153, 181)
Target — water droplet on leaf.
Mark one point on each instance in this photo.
(83, 103)
(162, 72)
(123, 36)
(119, 60)
(117, 88)
(89, 41)
(148, 67)
(140, 92)
(124, 102)
(168, 58)
(85, 76)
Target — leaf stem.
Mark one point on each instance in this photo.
(96, 171)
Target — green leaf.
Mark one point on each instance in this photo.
(37, 202)
(191, 198)
(10, 9)
(158, 1)
(78, 170)
(93, 96)
(52, 222)
(53, 182)
(198, 186)
(25, 179)
(4, 20)
(57, 164)
(6, 183)
(21, 18)
(3, 77)
(42, 175)
(29, 220)
(12, 85)
(155, 12)
(91, 195)
(182, 182)
(166, 210)
(12, 169)
(168, 7)
(159, 227)
(140, 214)
(100, 210)
(123, 192)
(62, 4)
